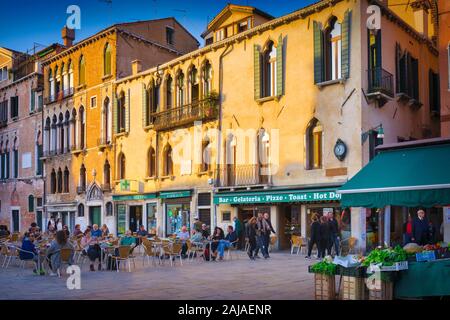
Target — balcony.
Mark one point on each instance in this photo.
(242, 175)
(202, 110)
(381, 85)
(103, 143)
(59, 96)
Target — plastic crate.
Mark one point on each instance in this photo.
(324, 287)
(398, 266)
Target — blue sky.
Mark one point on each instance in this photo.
(41, 21)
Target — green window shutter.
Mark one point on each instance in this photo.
(280, 68)
(345, 46)
(115, 115)
(144, 106)
(30, 203)
(32, 100)
(257, 71)
(16, 163)
(127, 112)
(318, 52)
(7, 165)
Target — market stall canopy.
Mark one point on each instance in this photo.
(415, 176)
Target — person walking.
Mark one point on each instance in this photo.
(407, 230)
(315, 235)
(250, 233)
(334, 234)
(262, 228)
(269, 231)
(420, 229)
(324, 236)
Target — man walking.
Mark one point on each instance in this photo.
(268, 233)
(334, 234)
(420, 229)
(262, 228)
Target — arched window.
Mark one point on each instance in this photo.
(121, 166)
(314, 145)
(194, 84)
(51, 85)
(82, 71)
(107, 60)
(168, 161)
(82, 133)
(60, 181)
(67, 129)
(73, 133)
(151, 162)
(180, 89)
(332, 48)
(47, 135)
(207, 75)
(107, 175)
(61, 133)
(169, 93)
(64, 78)
(109, 209)
(70, 77)
(66, 180)
(206, 155)
(106, 121)
(81, 210)
(57, 82)
(53, 182)
(269, 70)
(54, 134)
(121, 112)
(82, 184)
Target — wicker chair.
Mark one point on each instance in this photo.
(296, 243)
(174, 251)
(149, 252)
(124, 255)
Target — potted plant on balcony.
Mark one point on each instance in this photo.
(210, 105)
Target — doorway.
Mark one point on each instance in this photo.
(95, 216)
(135, 218)
(15, 221)
(290, 224)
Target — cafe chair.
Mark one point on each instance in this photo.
(65, 256)
(125, 256)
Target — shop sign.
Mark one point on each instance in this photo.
(172, 195)
(267, 197)
(134, 197)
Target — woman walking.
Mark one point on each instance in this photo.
(250, 232)
(315, 231)
(324, 236)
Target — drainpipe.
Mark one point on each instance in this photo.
(219, 138)
(44, 195)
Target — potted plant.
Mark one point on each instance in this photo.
(211, 102)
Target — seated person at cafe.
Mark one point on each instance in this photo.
(4, 233)
(229, 240)
(183, 235)
(77, 230)
(141, 233)
(54, 251)
(30, 252)
(35, 231)
(66, 230)
(127, 240)
(105, 231)
(205, 232)
(216, 237)
(197, 236)
(92, 249)
(96, 232)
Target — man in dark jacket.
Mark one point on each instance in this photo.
(334, 234)
(268, 232)
(420, 229)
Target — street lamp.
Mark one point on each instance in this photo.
(380, 133)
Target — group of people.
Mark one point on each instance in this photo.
(325, 234)
(420, 230)
(257, 232)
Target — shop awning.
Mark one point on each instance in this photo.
(411, 177)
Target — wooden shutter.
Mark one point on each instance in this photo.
(127, 111)
(280, 66)
(144, 106)
(115, 114)
(345, 47)
(30, 203)
(318, 52)
(257, 70)
(398, 53)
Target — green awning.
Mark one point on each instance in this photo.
(412, 177)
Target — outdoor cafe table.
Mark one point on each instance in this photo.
(424, 279)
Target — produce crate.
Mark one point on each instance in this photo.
(398, 266)
(358, 272)
(352, 288)
(325, 287)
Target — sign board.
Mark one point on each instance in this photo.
(277, 197)
(175, 194)
(135, 197)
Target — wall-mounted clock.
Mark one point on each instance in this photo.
(340, 149)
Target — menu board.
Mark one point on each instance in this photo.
(121, 219)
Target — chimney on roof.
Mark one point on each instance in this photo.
(136, 67)
(68, 36)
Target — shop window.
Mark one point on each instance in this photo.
(226, 216)
(177, 216)
(151, 218)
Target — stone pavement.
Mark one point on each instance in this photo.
(283, 276)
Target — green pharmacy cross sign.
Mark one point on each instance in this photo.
(276, 197)
(124, 185)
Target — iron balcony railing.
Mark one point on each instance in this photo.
(380, 81)
(242, 175)
(59, 95)
(206, 109)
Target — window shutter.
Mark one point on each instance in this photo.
(345, 47)
(32, 100)
(280, 66)
(144, 106)
(127, 112)
(398, 53)
(318, 52)
(30, 203)
(115, 115)
(257, 71)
